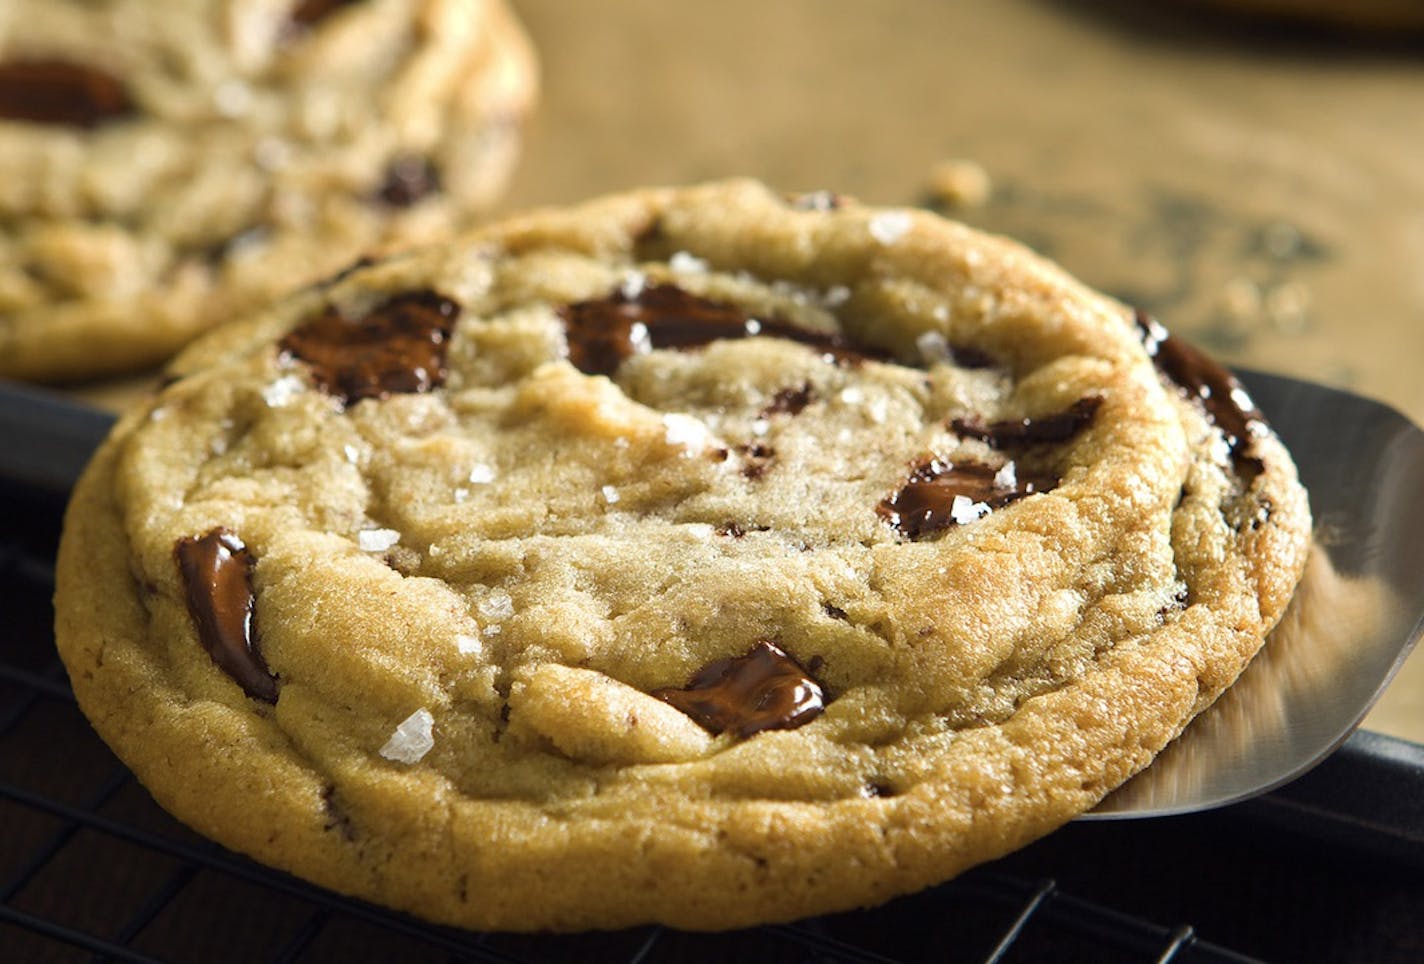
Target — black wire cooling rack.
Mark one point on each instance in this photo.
(92, 870)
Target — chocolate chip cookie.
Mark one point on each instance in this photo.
(164, 167)
(705, 556)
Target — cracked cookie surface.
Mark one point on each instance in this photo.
(165, 167)
(703, 556)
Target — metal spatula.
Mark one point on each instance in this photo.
(1358, 613)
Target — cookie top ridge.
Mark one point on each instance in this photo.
(708, 556)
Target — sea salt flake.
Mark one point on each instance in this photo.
(232, 98)
(481, 474)
(461, 494)
(760, 427)
(352, 453)
(683, 262)
(272, 154)
(377, 540)
(965, 510)
(640, 338)
(496, 606)
(282, 391)
(632, 284)
(934, 347)
(852, 396)
(412, 739)
(887, 227)
(610, 494)
(468, 645)
(492, 629)
(684, 430)
(1006, 477)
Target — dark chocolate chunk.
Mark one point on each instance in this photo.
(789, 401)
(603, 332)
(757, 459)
(764, 690)
(398, 347)
(1226, 401)
(409, 178)
(925, 503)
(61, 93)
(1058, 427)
(217, 580)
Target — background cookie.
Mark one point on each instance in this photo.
(702, 556)
(164, 167)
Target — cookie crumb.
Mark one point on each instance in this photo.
(412, 739)
(959, 184)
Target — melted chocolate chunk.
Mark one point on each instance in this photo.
(763, 690)
(397, 348)
(309, 12)
(1226, 402)
(603, 332)
(409, 178)
(61, 93)
(217, 579)
(1058, 427)
(925, 503)
(789, 401)
(967, 356)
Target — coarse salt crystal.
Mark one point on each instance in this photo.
(878, 410)
(965, 510)
(352, 453)
(492, 629)
(852, 396)
(610, 494)
(482, 474)
(887, 227)
(468, 645)
(683, 262)
(282, 391)
(412, 739)
(1006, 477)
(377, 540)
(760, 427)
(461, 494)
